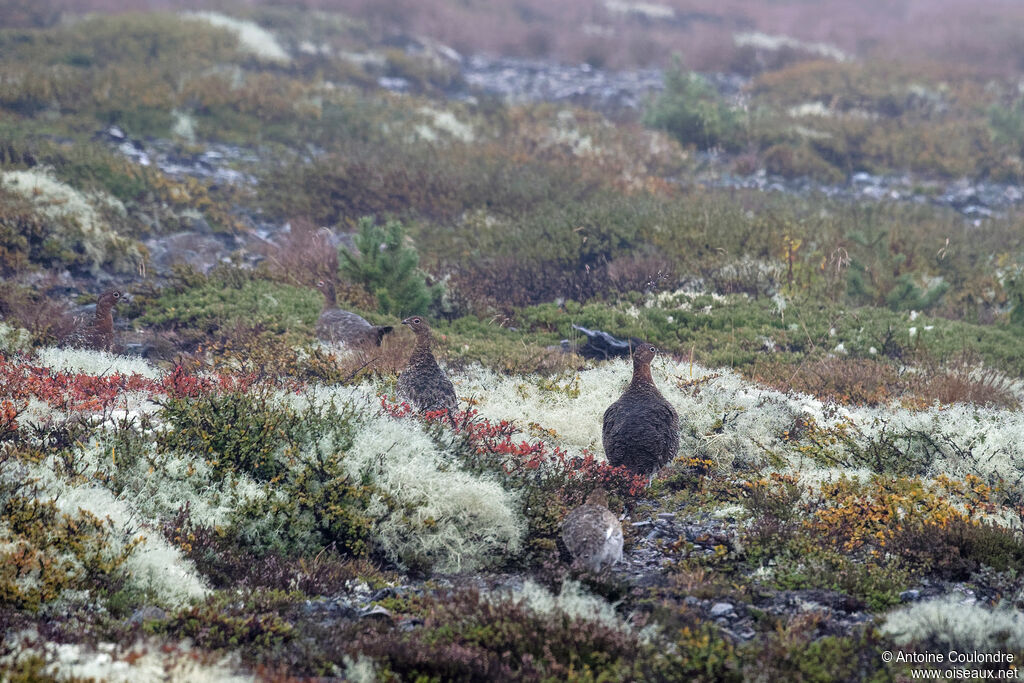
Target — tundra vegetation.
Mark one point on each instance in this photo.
(232, 499)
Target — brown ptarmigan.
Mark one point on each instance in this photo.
(592, 533)
(98, 333)
(641, 429)
(337, 325)
(423, 383)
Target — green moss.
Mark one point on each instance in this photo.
(236, 298)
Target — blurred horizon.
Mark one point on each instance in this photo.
(981, 37)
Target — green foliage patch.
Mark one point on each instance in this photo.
(389, 269)
(232, 297)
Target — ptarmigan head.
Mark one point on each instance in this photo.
(326, 287)
(110, 298)
(644, 353)
(598, 497)
(417, 325)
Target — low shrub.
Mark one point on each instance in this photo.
(691, 110)
(232, 297)
(469, 636)
(389, 269)
(956, 549)
(256, 623)
(47, 552)
(228, 560)
(233, 431)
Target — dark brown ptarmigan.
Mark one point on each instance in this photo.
(337, 325)
(592, 533)
(423, 383)
(98, 333)
(641, 429)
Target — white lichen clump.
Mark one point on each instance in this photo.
(75, 210)
(154, 567)
(956, 624)
(764, 41)
(443, 122)
(142, 662)
(14, 339)
(648, 10)
(445, 518)
(98, 363)
(573, 601)
(732, 421)
(252, 37)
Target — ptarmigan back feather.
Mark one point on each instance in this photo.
(423, 384)
(98, 332)
(338, 325)
(641, 429)
(593, 534)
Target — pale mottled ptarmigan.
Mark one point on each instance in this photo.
(592, 533)
(98, 333)
(641, 429)
(337, 325)
(423, 383)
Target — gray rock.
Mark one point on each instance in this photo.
(147, 613)
(376, 612)
(910, 595)
(721, 609)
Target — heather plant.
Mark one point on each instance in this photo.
(464, 632)
(955, 550)
(254, 623)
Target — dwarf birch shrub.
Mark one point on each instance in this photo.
(233, 431)
(45, 552)
(316, 502)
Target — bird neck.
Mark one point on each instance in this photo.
(330, 298)
(642, 373)
(105, 316)
(422, 343)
